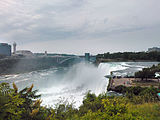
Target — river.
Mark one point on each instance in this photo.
(72, 83)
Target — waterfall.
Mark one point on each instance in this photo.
(71, 84)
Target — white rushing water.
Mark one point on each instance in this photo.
(77, 81)
(70, 85)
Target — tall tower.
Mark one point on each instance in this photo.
(45, 53)
(14, 48)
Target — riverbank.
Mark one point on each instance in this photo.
(16, 65)
(103, 60)
(22, 65)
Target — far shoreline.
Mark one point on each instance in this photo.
(116, 60)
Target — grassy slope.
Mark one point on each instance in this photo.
(150, 111)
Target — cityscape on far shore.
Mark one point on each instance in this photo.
(10, 50)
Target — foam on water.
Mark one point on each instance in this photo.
(71, 84)
(77, 81)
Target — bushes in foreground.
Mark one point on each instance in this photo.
(139, 95)
(26, 105)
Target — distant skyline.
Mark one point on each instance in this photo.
(79, 26)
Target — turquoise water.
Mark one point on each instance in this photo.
(158, 94)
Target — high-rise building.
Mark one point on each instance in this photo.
(14, 48)
(5, 49)
(87, 56)
(154, 49)
(26, 53)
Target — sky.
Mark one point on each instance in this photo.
(79, 26)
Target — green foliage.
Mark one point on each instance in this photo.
(148, 111)
(10, 103)
(5, 89)
(125, 56)
(114, 109)
(115, 106)
(16, 105)
(64, 112)
(139, 95)
(91, 102)
(24, 105)
(148, 72)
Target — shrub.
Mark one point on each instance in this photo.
(25, 105)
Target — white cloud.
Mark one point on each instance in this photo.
(80, 21)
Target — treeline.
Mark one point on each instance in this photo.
(147, 72)
(135, 56)
(25, 105)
